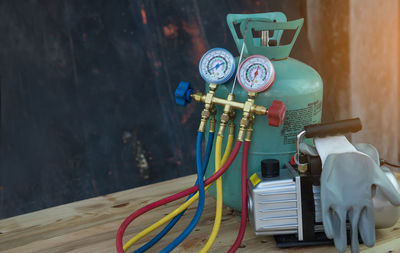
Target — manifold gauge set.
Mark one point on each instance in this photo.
(292, 177)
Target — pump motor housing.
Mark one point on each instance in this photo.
(285, 204)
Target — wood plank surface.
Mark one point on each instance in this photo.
(91, 225)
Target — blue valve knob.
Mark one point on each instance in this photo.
(182, 93)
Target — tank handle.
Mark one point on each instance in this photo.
(272, 52)
(234, 19)
(334, 128)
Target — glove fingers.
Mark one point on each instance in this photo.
(328, 213)
(339, 228)
(327, 218)
(367, 226)
(354, 217)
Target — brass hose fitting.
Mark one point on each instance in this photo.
(231, 128)
(212, 120)
(227, 115)
(205, 114)
(242, 130)
(248, 116)
(209, 109)
(250, 130)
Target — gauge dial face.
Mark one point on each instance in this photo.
(256, 73)
(217, 66)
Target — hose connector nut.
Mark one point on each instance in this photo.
(205, 114)
(276, 113)
(224, 118)
(244, 123)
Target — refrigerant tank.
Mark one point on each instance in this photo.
(298, 85)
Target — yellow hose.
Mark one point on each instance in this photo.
(228, 149)
(177, 211)
(218, 211)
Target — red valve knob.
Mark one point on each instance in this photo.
(276, 113)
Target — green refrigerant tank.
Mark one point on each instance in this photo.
(298, 85)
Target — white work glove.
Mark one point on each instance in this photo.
(385, 214)
(348, 182)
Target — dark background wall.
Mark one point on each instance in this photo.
(87, 105)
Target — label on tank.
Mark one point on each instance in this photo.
(297, 119)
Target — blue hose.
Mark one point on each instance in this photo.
(210, 143)
(172, 223)
(200, 206)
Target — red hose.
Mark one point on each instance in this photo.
(174, 197)
(243, 221)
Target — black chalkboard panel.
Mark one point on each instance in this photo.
(87, 92)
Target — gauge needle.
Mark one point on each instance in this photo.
(255, 75)
(216, 66)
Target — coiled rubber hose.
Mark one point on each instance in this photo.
(172, 223)
(200, 206)
(179, 210)
(243, 220)
(171, 198)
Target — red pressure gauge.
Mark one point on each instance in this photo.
(256, 73)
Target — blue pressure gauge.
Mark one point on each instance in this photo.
(217, 66)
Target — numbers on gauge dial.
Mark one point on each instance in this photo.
(256, 73)
(217, 66)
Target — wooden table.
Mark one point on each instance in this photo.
(90, 226)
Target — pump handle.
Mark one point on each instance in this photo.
(333, 128)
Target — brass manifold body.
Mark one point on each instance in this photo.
(249, 111)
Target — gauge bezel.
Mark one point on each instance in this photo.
(264, 87)
(228, 77)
